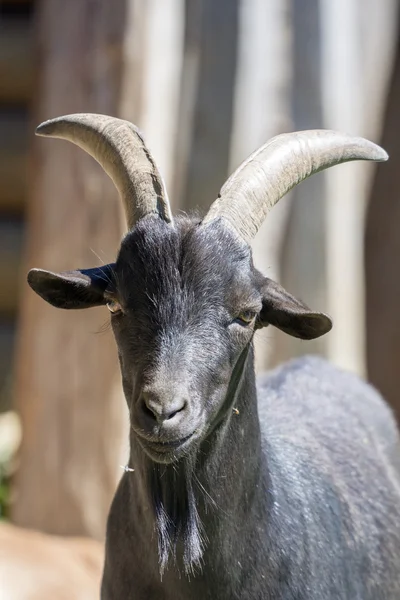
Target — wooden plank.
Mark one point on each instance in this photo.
(213, 52)
(13, 161)
(157, 25)
(343, 110)
(382, 253)
(67, 388)
(303, 260)
(187, 100)
(11, 239)
(261, 110)
(16, 60)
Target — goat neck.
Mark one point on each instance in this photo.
(194, 510)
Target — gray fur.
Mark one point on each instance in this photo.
(321, 523)
(284, 491)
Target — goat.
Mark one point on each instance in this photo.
(285, 488)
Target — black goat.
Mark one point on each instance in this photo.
(302, 503)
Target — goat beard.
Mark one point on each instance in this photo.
(181, 537)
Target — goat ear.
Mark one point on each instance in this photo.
(73, 289)
(284, 311)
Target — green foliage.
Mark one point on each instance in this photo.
(4, 492)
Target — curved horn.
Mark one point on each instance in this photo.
(119, 148)
(275, 168)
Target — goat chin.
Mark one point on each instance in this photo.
(167, 453)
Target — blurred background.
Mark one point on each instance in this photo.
(207, 82)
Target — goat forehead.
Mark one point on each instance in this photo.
(182, 265)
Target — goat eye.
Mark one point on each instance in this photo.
(114, 307)
(246, 317)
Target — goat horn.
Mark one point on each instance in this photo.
(275, 168)
(119, 148)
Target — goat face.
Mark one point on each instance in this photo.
(187, 303)
(184, 302)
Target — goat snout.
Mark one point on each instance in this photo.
(161, 411)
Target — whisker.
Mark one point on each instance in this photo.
(96, 255)
(105, 328)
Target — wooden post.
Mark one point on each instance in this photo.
(206, 107)
(261, 110)
(379, 30)
(303, 253)
(153, 55)
(339, 83)
(342, 79)
(382, 256)
(352, 94)
(67, 378)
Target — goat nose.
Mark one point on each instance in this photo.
(160, 410)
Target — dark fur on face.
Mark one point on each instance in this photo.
(184, 314)
(185, 302)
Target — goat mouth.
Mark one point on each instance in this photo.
(167, 451)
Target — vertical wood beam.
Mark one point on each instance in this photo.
(67, 376)
(382, 256)
(261, 110)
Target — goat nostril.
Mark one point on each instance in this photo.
(159, 411)
(172, 414)
(147, 410)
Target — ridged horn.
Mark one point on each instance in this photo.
(275, 168)
(119, 148)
